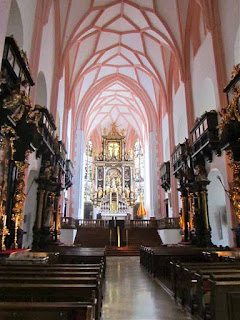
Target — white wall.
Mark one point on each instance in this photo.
(220, 221)
(27, 9)
(204, 81)
(15, 24)
(165, 139)
(230, 22)
(78, 180)
(219, 165)
(60, 104)
(41, 90)
(179, 115)
(237, 48)
(46, 63)
(206, 98)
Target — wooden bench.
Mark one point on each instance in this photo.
(220, 300)
(65, 283)
(32, 273)
(45, 292)
(183, 274)
(191, 284)
(47, 310)
(75, 254)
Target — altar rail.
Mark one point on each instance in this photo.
(168, 223)
(68, 223)
(140, 224)
(92, 223)
(165, 223)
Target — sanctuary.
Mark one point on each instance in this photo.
(114, 176)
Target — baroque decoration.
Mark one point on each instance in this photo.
(113, 178)
(230, 136)
(24, 129)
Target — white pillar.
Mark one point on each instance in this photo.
(150, 176)
(78, 191)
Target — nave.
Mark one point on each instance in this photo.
(130, 293)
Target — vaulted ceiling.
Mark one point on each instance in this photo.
(134, 40)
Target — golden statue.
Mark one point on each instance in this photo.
(114, 130)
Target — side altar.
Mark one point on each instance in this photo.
(113, 176)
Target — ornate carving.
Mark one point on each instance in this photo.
(231, 112)
(235, 71)
(230, 137)
(234, 192)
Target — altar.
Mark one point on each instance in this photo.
(113, 177)
(115, 216)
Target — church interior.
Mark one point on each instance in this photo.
(120, 159)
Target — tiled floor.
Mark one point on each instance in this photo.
(130, 294)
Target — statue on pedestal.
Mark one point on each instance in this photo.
(100, 192)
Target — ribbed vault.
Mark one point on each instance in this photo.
(118, 38)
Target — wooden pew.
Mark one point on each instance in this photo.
(219, 300)
(45, 292)
(76, 254)
(32, 273)
(184, 278)
(183, 274)
(63, 282)
(192, 286)
(190, 295)
(47, 310)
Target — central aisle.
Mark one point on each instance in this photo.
(131, 294)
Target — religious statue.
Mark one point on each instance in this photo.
(123, 131)
(113, 185)
(127, 192)
(100, 192)
(118, 181)
(114, 130)
(100, 156)
(107, 189)
(119, 188)
(113, 150)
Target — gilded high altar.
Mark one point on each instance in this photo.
(113, 174)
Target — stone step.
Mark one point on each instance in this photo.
(122, 251)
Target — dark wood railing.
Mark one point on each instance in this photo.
(68, 223)
(92, 223)
(165, 223)
(168, 223)
(141, 223)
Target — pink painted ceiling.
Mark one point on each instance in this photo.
(117, 57)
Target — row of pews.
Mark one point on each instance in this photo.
(41, 291)
(206, 283)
